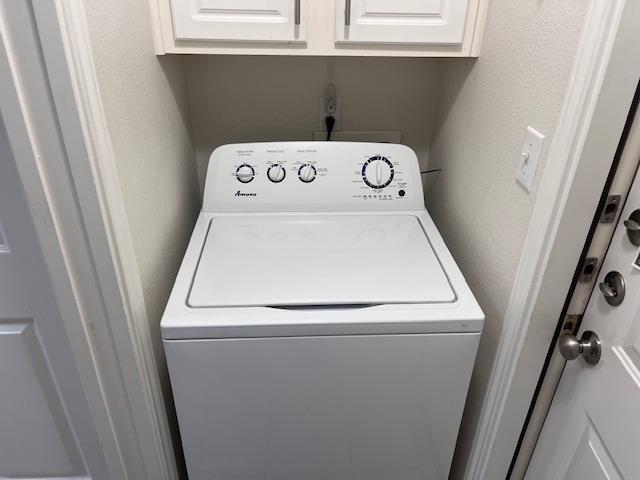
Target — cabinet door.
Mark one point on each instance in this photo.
(237, 20)
(401, 21)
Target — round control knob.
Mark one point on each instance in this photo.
(245, 173)
(307, 173)
(377, 172)
(276, 173)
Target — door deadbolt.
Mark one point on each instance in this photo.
(632, 224)
(613, 288)
(588, 346)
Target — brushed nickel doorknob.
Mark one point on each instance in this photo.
(588, 346)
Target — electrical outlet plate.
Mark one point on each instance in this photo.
(528, 162)
(322, 112)
(362, 136)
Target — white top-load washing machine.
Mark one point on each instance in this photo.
(319, 328)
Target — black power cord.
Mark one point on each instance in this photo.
(329, 121)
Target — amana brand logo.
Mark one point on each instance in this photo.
(242, 194)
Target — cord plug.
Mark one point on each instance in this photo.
(329, 121)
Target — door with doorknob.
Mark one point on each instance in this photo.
(592, 430)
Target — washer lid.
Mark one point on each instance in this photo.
(301, 260)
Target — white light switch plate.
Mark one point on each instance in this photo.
(529, 157)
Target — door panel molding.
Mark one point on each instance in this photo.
(33, 417)
(591, 457)
(630, 359)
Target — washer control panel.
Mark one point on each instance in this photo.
(312, 176)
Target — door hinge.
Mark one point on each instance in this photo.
(610, 209)
(588, 269)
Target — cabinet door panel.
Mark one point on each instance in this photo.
(236, 20)
(407, 21)
(405, 7)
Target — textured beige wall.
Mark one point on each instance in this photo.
(244, 99)
(518, 80)
(145, 103)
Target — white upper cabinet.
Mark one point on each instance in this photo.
(237, 20)
(405, 28)
(406, 21)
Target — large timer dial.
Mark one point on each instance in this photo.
(377, 172)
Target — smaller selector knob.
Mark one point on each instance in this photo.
(307, 173)
(276, 173)
(245, 173)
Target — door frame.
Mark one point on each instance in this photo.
(619, 183)
(592, 117)
(593, 114)
(58, 148)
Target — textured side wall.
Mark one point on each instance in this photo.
(518, 80)
(245, 99)
(145, 103)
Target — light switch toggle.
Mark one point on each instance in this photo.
(529, 157)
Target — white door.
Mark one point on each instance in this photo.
(592, 430)
(406, 21)
(238, 20)
(46, 427)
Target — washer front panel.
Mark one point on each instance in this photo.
(350, 407)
